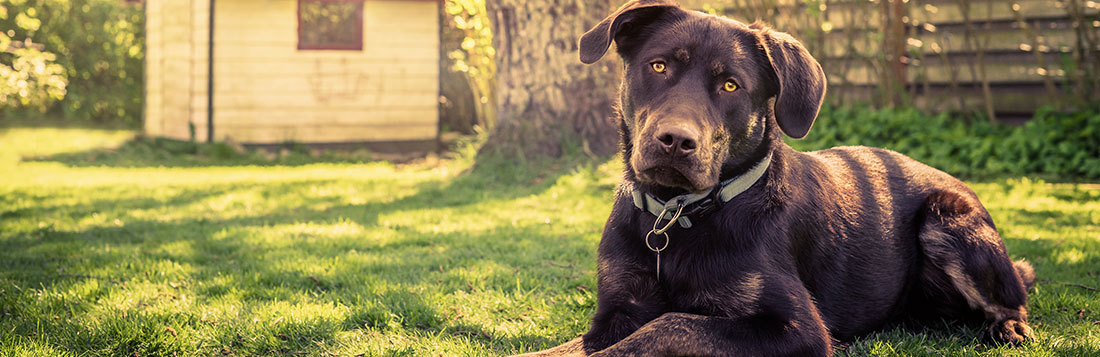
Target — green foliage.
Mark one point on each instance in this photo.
(476, 53)
(475, 58)
(98, 45)
(1055, 144)
(381, 260)
(30, 79)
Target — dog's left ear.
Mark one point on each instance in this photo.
(800, 82)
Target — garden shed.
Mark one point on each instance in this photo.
(319, 72)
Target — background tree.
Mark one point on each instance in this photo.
(100, 45)
(545, 96)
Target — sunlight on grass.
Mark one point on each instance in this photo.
(382, 259)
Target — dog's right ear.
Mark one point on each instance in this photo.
(633, 14)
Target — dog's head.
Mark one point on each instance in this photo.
(700, 92)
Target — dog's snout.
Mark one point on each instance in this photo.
(678, 139)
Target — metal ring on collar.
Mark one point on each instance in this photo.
(679, 210)
(651, 246)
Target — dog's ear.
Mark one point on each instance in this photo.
(632, 15)
(800, 82)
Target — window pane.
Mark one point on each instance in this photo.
(330, 24)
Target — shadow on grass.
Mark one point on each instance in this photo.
(160, 152)
(382, 283)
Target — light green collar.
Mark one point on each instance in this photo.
(725, 192)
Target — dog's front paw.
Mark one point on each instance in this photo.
(1010, 331)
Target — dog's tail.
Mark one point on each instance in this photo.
(1026, 273)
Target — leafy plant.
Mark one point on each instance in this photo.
(33, 79)
(29, 77)
(98, 45)
(1053, 143)
(475, 56)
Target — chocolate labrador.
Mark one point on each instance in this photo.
(725, 241)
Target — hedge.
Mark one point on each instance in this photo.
(1062, 145)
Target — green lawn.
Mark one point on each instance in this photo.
(102, 255)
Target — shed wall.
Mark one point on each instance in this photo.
(267, 91)
(175, 68)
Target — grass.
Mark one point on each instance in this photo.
(135, 252)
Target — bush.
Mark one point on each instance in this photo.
(98, 43)
(32, 81)
(1052, 143)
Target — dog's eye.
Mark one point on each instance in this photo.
(729, 86)
(658, 66)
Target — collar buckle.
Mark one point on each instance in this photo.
(710, 203)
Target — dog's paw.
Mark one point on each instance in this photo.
(1010, 331)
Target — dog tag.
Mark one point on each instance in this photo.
(655, 249)
(658, 266)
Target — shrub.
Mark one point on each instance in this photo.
(32, 81)
(1052, 143)
(99, 45)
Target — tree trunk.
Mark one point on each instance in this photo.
(546, 98)
(894, 43)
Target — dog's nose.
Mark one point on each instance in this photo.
(678, 140)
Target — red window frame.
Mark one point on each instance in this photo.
(357, 46)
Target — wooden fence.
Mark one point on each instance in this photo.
(1004, 58)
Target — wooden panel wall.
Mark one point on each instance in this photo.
(268, 91)
(1025, 70)
(175, 67)
(1045, 63)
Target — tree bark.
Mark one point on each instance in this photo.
(546, 98)
(894, 42)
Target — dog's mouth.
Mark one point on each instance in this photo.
(666, 176)
(670, 176)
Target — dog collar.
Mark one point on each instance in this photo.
(703, 202)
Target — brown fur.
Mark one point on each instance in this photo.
(825, 246)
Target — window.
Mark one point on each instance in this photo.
(330, 24)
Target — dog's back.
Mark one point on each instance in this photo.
(856, 244)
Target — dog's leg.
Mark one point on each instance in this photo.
(787, 325)
(962, 247)
(574, 347)
(627, 300)
(683, 334)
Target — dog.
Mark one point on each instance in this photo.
(723, 240)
